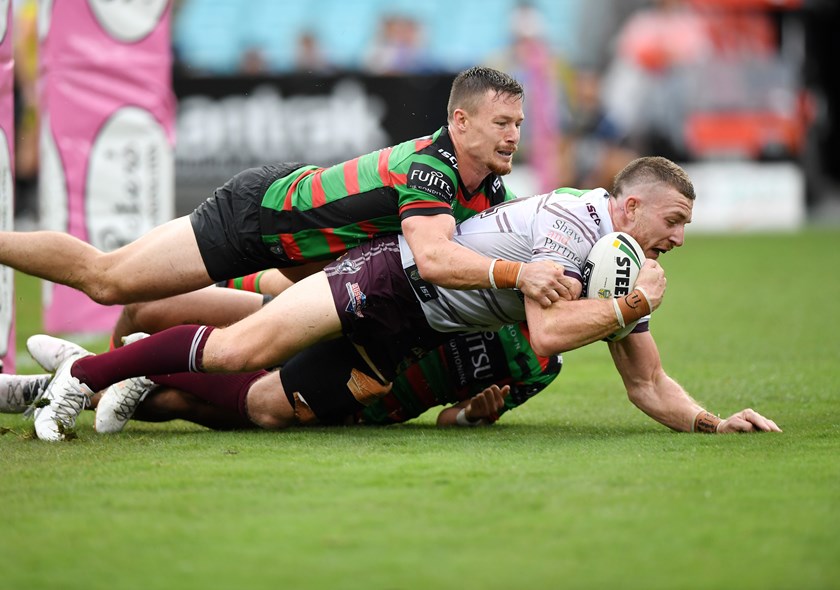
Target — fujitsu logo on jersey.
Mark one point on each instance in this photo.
(475, 358)
(428, 180)
(479, 356)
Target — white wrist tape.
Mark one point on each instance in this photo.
(490, 275)
(619, 316)
(462, 420)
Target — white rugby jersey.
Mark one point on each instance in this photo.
(561, 226)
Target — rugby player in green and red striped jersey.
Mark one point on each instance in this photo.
(477, 376)
(455, 373)
(298, 217)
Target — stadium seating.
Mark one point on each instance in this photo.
(210, 36)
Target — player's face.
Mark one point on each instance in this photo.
(661, 215)
(492, 133)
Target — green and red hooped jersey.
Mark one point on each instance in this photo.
(461, 368)
(319, 213)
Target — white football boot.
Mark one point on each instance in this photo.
(19, 392)
(119, 402)
(50, 352)
(67, 397)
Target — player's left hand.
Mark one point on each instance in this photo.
(487, 404)
(747, 421)
(545, 282)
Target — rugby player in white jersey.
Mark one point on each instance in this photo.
(371, 296)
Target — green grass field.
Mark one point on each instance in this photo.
(577, 489)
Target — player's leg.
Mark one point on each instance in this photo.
(163, 262)
(275, 284)
(296, 319)
(327, 383)
(167, 403)
(211, 306)
(274, 281)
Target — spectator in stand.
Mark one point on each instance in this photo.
(398, 48)
(253, 62)
(641, 92)
(309, 56)
(530, 59)
(594, 148)
(682, 58)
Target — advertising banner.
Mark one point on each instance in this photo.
(107, 134)
(7, 167)
(227, 125)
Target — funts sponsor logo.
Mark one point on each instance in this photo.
(622, 276)
(357, 299)
(475, 358)
(434, 182)
(479, 355)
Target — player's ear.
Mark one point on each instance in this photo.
(631, 205)
(459, 119)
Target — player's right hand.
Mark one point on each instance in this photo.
(652, 281)
(747, 421)
(545, 282)
(486, 405)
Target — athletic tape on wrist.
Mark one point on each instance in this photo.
(705, 422)
(618, 314)
(462, 420)
(504, 274)
(490, 274)
(633, 306)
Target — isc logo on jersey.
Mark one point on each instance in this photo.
(611, 270)
(429, 180)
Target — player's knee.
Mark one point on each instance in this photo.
(267, 405)
(101, 292)
(129, 317)
(228, 357)
(106, 291)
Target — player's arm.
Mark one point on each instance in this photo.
(568, 325)
(655, 393)
(481, 409)
(443, 262)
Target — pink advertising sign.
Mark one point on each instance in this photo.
(107, 134)
(7, 164)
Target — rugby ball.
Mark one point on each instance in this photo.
(611, 270)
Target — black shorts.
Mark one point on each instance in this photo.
(377, 306)
(227, 225)
(331, 380)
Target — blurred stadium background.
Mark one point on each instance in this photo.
(731, 82)
(699, 81)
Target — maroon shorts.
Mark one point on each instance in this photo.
(377, 306)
